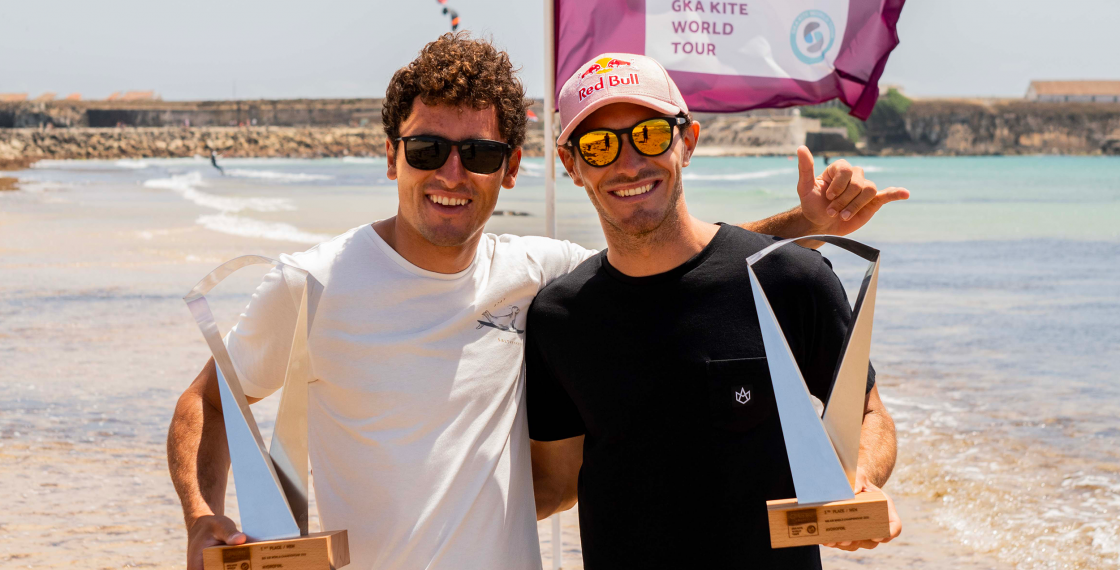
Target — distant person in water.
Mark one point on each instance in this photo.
(826, 159)
(214, 161)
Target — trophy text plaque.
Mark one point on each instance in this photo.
(860, 518)
(315, 551)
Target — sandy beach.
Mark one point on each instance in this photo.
(96, 345)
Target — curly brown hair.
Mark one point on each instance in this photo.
(460, 71)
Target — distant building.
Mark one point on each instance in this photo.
(48, 96)
(74, 97)
(1075, 91)
(12, 97)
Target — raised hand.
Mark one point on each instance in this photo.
(841, 200)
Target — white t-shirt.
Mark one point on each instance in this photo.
(418, 439)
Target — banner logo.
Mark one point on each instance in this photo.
(812, 35)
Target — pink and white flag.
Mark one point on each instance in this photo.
(734, 56)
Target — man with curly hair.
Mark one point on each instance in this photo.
(418, 436)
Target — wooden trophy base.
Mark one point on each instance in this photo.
(862, 518)
(317, 551)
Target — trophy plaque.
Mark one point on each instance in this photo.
(823, 451)
(271, 485)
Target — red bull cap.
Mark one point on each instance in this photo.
(616, 78)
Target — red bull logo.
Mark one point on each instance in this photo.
(601, 67)
(593, 69)
(604, 65)
(608, 81)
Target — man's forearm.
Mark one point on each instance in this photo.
(877, 444)
(198, 455)
(789, 224)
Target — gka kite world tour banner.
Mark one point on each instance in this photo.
(734, 56)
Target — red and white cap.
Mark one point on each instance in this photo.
(616, 78)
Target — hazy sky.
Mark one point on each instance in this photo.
(350, 48)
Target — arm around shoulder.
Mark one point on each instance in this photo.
(556, 466)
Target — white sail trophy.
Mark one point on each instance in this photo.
(823, 452)
(271, 484)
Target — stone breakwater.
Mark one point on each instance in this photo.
(32, 144)
(19, 147)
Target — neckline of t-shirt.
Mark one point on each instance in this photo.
(692, 263)
(408, 265)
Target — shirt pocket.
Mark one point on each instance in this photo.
(740, 395)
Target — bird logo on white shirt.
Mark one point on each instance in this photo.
(504, 322)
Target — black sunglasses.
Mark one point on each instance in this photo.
(428, 152)
(651, 137)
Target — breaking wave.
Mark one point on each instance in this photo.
(225, 221)
(186, 185)
(131, 164)
(248, 227)
(276, 176)
(738, 175)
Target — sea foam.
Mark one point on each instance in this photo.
(248, 227)
(363, 159)
(186, 185)
(276, 176)
(130, 164)
(737, 175)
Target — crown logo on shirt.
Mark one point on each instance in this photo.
(743, 395)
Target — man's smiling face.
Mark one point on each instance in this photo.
(449, 205)
(636, 193)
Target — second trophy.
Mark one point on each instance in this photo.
(272, 491)
(823, 451)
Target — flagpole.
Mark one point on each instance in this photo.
(550, 188)
(557, 550)
(549, 136)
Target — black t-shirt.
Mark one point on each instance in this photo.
(678, 462)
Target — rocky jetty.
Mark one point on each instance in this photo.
(171, 142)
(19, 147)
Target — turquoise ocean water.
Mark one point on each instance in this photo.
(996, 333)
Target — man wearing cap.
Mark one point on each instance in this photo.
(648, 392)
(418, 438)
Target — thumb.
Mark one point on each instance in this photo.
(806, 181)
(226, 531)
